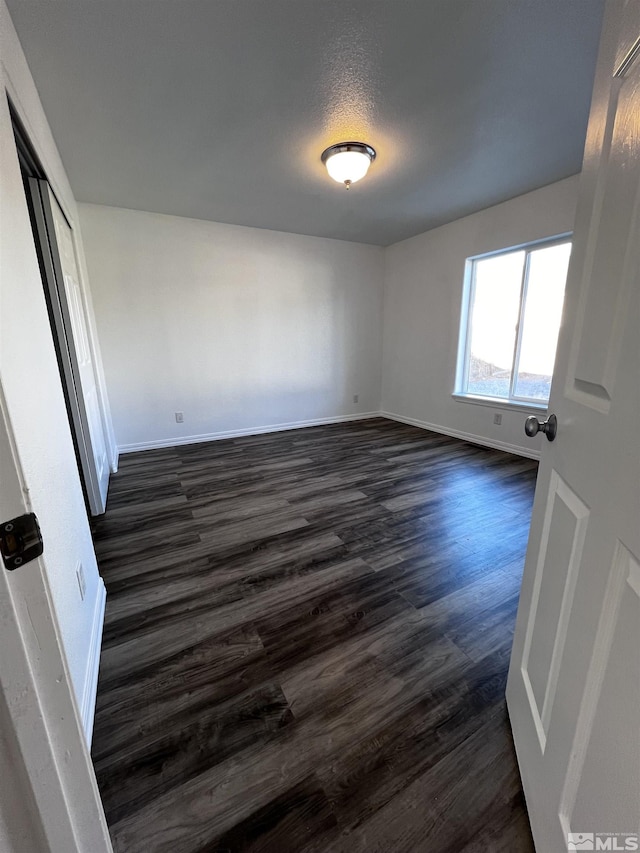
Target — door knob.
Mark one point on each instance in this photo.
(532, 426)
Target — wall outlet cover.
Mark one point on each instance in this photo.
(179, 417)
(497, 418)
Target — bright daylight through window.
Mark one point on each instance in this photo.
(510, 323)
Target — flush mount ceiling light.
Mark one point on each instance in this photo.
(347, 162)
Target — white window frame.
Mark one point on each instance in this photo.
(464, 341)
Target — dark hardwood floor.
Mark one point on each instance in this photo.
(306, 644)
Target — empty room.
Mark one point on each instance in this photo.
(318, 367)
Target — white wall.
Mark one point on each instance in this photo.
(30, 390)
(244, 329)
(423, 294)
(238, 328)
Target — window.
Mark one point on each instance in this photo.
(510, 322)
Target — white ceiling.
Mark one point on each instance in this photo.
(220, 109)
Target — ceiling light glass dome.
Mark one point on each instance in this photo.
(348, 162)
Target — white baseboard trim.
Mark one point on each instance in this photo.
(218, 436)
(93, 663)
(466, 436)
(529, 453)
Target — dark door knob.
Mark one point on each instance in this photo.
(532, 426)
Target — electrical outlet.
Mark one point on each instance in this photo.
(179, 417)
(497, 418)
(82, 584)
(356, 397)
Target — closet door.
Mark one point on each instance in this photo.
(66, 302)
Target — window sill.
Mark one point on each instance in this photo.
(497, 403)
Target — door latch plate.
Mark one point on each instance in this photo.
(20, 540)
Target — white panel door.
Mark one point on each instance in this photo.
(69, 317)
(574, 683)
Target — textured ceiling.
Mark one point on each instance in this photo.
(220, 109)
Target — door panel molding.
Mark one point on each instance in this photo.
(611, 255)
(624, 566)
(549, 559)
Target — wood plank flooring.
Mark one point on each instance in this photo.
(306, 644)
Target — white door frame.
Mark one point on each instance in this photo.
(49, 800)
(59, 789)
